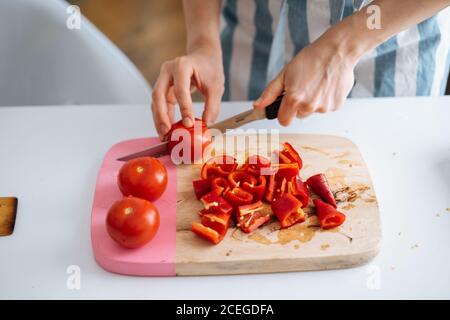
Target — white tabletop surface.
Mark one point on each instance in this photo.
(50, 156)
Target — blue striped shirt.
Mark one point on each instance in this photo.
(260, 36)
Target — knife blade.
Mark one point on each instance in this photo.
(270, 112)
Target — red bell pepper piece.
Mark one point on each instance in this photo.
(288, 210)
(289, 155)
(285, 170)
(216, 221)
(256, 164)
(219, 185)
(298, 189)
(201, 187)
(220, 166)
(251, 217)
(238, 197)
(328, 216)
(258, 189)
(216, 204)
(207, 233)
(238, 178)
(319, 185)
(274, 189)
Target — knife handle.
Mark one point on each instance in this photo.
(272, 109)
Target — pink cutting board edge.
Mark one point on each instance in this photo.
(157, 258)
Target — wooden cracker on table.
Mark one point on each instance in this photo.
(8, 210)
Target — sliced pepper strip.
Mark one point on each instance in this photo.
(319, 185)
(251, 217)
(328, 216)
(207, 233)
(284, 170)
(215, 203)
(258, 189)
(238, 178)
(288, 210)
(255, 165)
(218, 222)
(238, 197)
(201, 187)
(298, 189)
(290, 155)
(274, 189)
(220, 166)
(219, 185)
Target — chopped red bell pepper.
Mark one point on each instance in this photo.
(319, 185)
(258, 189)
(285, 170)
(298, 189)
(218, 166)
(238, 178)
(288, 210)
(274, 189)
(251, 217)
(216, 204)
(219, 185)
(256, 164)
(238, 197)
(216, 221)
(328, 216)
(201, 187)
(290, 155)
(207, 233)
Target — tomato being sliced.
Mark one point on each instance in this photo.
(258, 189)
(216, 204)
(251, 217)
(238, 178)
(132, 222)
(298, 189)
(144, 177)
(207, 233)
(288, 210)
(201, 187)
(187, 145)
(220, 166)
(238, 197)
(290, 155)
(274, 189)
(319, 185)
(328, 216)
(256, 165)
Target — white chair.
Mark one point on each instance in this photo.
(43, 62)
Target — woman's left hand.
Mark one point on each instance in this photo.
(318, 79)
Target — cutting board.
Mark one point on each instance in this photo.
(177, 251)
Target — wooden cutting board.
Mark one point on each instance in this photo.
(177, 251)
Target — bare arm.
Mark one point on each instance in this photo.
(201, 69)
(326, 65)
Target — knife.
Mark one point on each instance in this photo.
(270, 112)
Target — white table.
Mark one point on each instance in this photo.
(49, 158)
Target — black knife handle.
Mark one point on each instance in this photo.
(272, 109)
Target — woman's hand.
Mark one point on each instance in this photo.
(200, 69)
(318, 79)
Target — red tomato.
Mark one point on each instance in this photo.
(144, 177)
(198, 139)
(132, 222)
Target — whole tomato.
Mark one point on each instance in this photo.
(132, 222)
(144, 177)
(194, 139)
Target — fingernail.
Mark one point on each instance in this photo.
(187, 122)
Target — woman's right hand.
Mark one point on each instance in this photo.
(202, 70)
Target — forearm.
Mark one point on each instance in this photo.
(353, 35)
(202, 23)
